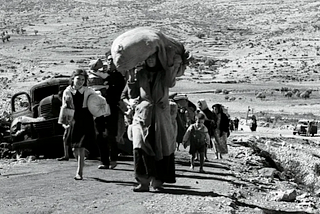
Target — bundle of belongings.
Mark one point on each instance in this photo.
(97, 76)
(98, 105)
(96, 73)
(136, 45)
(95, 65)
(21, 127)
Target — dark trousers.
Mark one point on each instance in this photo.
(112, 131)
(108, 146)
(112, 150)
(103, 149)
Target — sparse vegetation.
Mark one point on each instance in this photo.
(200, 35)
(241, 47)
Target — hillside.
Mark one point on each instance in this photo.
(240, 47)
(267, 43)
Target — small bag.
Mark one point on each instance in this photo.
(66, 116)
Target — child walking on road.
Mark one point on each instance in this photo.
(81, 132)
(197, 137)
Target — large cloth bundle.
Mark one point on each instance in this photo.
(98, 105)
(136, 45)
(95, 64)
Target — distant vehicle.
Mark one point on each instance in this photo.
(305, 127)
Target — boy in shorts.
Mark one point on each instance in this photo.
(197, 136)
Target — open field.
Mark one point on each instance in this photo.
(260, 46)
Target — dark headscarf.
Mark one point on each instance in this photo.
(224, 123)
(157, 67)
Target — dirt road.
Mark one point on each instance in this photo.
(47, 186)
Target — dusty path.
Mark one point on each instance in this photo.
(47, 186)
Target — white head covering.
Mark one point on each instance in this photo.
(180, 97)
(202, 104)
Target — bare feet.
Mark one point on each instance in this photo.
(64, 158)
(78, 177)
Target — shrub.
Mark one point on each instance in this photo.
(200, 35)
(225, 91)
(209, 62)
(217, 91)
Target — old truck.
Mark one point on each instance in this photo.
(29, 131)
(305, 127)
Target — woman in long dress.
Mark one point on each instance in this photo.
(81, 128)
(221, 131)
(152, 130)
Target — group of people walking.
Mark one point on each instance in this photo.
(210, 130)
(145, 91)
(152, 138)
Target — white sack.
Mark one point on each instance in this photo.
(98, 105)
(136, 45)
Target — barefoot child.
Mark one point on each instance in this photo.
(197, 136)
(81, 130)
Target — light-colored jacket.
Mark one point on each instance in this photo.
(67, 100)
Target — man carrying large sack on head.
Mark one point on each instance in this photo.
(152, 132)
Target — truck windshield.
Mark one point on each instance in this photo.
(40, 93)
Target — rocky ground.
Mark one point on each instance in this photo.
(241, 48)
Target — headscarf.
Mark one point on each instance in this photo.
(224, 123)
(202, 104)
(157, 67)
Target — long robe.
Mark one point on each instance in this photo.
(152, 129)
(154, 107)
(221, 135)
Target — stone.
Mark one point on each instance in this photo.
(267, 172)
(287, 195)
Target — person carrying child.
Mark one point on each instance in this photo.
(197, 136)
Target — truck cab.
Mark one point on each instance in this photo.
(29, 130)
(305, 127)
